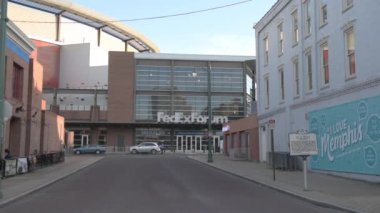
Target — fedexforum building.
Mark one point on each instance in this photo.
(157, 97)
(132, 93)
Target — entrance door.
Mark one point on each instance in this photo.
(84, 140)
(216, 144)
(188, 143)
(263, 144)
(198, 143)
(179, 143)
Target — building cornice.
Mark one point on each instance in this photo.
(271, 113)
(335, 94)
(271, 14)
(14, 33)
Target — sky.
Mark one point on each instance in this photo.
(225, 31)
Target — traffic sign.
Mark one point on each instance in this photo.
(271, 123)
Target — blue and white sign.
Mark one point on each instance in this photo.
(348, 137)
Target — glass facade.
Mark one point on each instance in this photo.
(231, 106)
(227, 79)
(190, 79)
(147, 106)
(190, 104)
(188, 88)
(153, 77)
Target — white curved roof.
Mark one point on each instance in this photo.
(93, 19)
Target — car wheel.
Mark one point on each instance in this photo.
(77, 152)
(97, 152)
(134, 151)
(153, 151)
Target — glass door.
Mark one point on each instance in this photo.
(216, 144)
(198, 143)
(84, 140)
(179, 143)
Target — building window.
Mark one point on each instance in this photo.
(350, 52)
(266, 51)
(323, 14)
(282, 84)
(295, 27)
(325, 64)
(296, 78)
(309, 72)
(266, 85)
(347, 4)
(280, 39)
(18, 78)
(307, 7)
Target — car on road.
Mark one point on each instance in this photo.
(145, 147)
(92, 148)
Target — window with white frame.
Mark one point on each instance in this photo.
(296, 75)
(266, 87)
(266, 51)
(350, 52)
(295, 27)
(323, 14)
(325, 72)
(347, 4)
(307, 8)
(309, 71)
(282, 83)
(280, 39)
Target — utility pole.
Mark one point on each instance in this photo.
(209, 158)
(3, 34)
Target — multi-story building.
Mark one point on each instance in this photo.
(154, 97)
(28, 127)
(317, 70)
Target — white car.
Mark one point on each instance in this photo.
(145, 147)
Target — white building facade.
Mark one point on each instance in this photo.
(317, 70)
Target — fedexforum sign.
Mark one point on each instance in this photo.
(179, 118)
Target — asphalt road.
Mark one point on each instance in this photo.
(157, 184)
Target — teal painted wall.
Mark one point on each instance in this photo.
(348, 137)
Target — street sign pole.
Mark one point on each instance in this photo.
(303, 144)
(271, 124)
(304, 157)
(3, 34)
(273, 157)
(209, 155)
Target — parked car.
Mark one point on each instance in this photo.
(145, 147)
(92, 148)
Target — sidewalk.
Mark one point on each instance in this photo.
(21, 185)
(349, 195)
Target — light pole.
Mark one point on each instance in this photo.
(3, 34)
(209, 158)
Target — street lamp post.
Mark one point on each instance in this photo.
(3, 34)
(209, 158)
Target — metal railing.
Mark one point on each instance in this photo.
(284, 161)
(20, 165)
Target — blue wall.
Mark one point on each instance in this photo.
(348, 137)
(14, 47)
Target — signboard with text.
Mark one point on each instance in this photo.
(348, 137)
(271, 123)
(303, 144)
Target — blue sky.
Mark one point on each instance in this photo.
(226, 31)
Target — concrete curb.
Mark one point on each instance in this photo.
(39, 187)
(294, 194)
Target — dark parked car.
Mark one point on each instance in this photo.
(92, 148)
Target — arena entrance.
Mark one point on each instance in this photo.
(196, 144)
